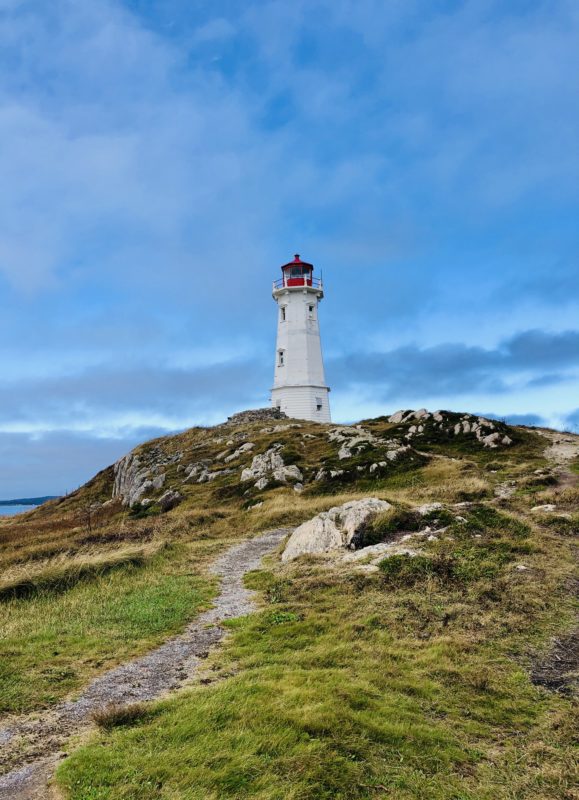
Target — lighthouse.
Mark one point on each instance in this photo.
(299, 385)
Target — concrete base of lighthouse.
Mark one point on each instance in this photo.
(303, 402)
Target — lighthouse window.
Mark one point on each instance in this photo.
(283, 311)
(311, 310)
(280, 358)
(318, 403)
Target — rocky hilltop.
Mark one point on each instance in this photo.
(159, 474)
(413, 622)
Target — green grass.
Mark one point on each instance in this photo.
(405, 685)
(52, 643)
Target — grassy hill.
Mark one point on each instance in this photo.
(448, 675)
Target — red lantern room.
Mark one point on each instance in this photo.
(297, 273)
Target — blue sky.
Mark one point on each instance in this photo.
(160, 160)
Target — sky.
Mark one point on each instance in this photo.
(160, 160)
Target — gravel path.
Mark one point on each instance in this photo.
(31, 746)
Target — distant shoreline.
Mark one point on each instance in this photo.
(28, 501)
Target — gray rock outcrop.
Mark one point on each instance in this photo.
(340, 527)
(484, 430)
(270, 466)
(355, 440)
(255, 415)
(244, 448)
(134, 478)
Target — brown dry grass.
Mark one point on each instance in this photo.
(65, 570)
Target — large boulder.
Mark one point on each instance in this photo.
(169, 500)
(340, 527)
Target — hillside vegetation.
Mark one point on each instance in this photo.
(449, 674)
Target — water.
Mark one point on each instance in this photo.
(10, 511)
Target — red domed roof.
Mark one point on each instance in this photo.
(297, 262)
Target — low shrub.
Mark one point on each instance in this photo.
(282, 617)
(139, 511)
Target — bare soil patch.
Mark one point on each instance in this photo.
(559, 669)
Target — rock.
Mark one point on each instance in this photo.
(298, 487)
(255, 415)
(158, 481)
(289, 473)
(340, 527)
(367, 569)
(428, 508)
(376, 552)
(270, 465)
(245, 448)
(261, 484)
(212, 476)
(134, 477)
(352, 440)
(344, 452)
(392, 455)
(170, 500)
(548, 508)
(397, 417)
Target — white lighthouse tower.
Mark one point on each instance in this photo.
(299, 385)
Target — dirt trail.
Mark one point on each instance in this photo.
(31, 746)
(564, 449)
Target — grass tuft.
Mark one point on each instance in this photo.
(116, 715)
